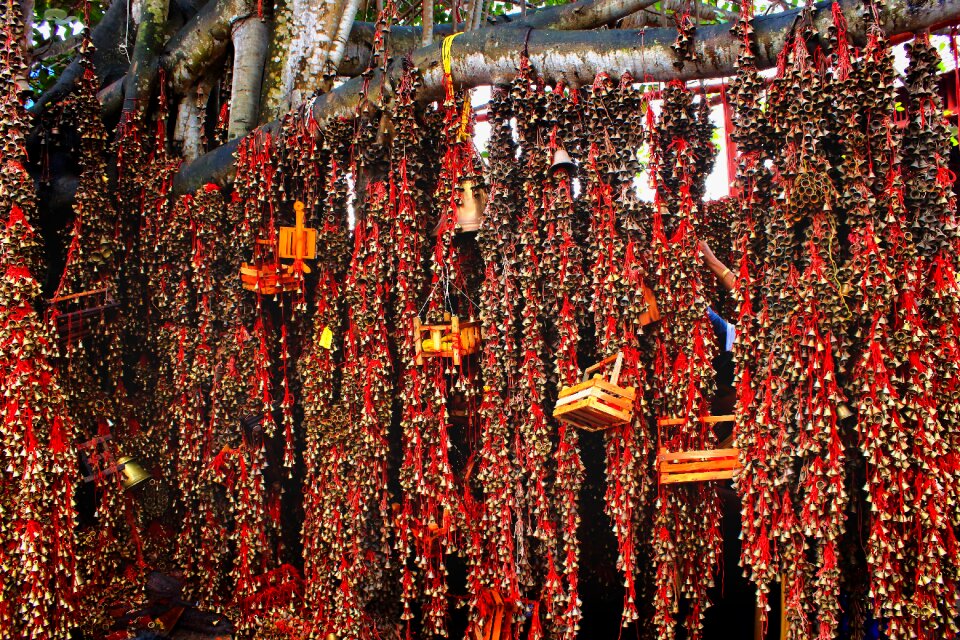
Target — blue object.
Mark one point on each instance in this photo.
(724, 331)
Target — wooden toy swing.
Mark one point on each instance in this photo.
(267, 275)
(453, 338)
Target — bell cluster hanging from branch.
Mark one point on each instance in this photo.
(687, 541)
(37, 516)
(848, 312)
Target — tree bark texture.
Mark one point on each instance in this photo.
(251, 37)
(145, 64)
(203, 41)
(490, 57)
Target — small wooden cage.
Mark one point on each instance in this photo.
(77, 315)
(597, 403)
(453, 339)
(698, 465)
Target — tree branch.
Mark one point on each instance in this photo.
(202, 41)
(52, 47)
(145, 65)
(490, 56)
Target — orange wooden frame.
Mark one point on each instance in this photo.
(698, 465)
(596, 404)
(453, 339)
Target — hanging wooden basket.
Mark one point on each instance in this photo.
(266, 275)
(597, 403)
(453, 339)
(697, 465)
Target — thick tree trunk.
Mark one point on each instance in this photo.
(339, 43)
(188, 128)
(304, 45)
(250, 40)
(203, 41)
(145, 65)
(489, 56)
(426, 19)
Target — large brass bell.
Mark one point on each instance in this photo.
(132, 474)
(472, 202)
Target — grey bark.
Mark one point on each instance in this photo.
(426, 19)
(190, 112)
(203, 41)
(251, 38)
(489, 56)
(339, 43)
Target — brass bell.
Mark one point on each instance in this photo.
(473, 200)
(844, 411)
(132, 473)
(561, 160)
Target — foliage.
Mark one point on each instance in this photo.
(55, 22)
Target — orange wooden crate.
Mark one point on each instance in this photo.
(596, 404)
(76, 315)
(267, 279)
(698, 465)
(461, 339)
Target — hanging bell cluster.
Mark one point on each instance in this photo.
(811, 190)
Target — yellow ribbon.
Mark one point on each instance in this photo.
(445, 52)
(446, 60)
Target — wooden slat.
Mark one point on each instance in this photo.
(73, 296)
(670, 422)
(700, 465)
(626, 392)
(591, 414)
(677, 478)
(600, 383)
(586, 421)
(623, 404)
(595, 406)
(698, 454)
(573, 397)
(580, 386)
(600, 365)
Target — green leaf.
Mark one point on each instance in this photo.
(53, 14)
(954, 141)
(898, 106)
